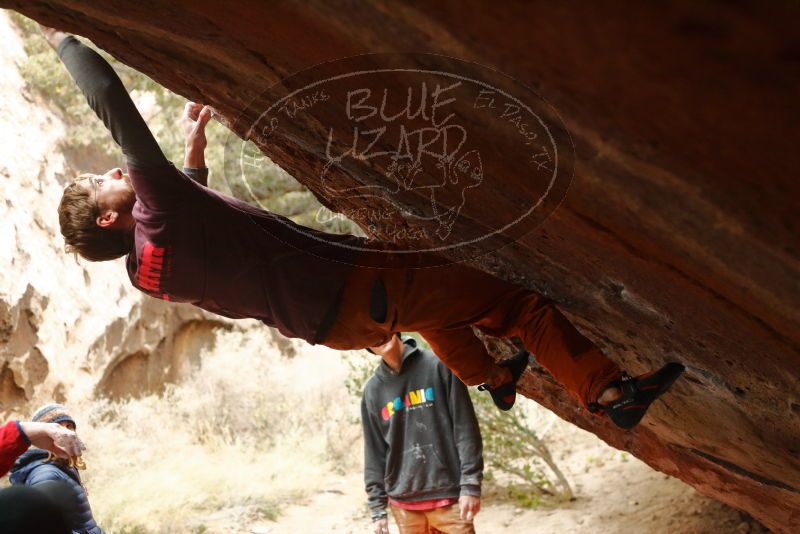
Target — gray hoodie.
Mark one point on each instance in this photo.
(421, 437)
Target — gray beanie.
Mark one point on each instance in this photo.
(52, 413)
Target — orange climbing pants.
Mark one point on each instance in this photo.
(443, 303)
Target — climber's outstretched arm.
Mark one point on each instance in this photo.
(108, 98)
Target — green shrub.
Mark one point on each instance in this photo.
(511, 447)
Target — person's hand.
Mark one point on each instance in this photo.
(469, 506)
(194, 119)
(53, 36)
(381, 525)
(55, 438)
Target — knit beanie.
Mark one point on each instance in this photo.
(52, 413)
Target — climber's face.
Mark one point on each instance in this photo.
(113, 195)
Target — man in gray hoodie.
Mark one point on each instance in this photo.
(422, 445)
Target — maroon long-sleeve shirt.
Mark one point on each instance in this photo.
(195, 245)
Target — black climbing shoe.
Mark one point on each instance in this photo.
(504, 395)
(638, 393)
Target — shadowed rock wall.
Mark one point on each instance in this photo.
(678, 237)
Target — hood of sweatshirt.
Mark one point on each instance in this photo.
(410, 350)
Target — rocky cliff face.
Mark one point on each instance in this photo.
(677, 237)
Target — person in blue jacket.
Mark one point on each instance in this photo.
(38, 466)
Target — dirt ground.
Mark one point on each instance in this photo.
(616, 494)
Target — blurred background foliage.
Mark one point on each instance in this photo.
(268, 186)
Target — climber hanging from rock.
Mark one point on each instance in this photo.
(184, 242)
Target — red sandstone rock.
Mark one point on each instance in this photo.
(678, 237)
